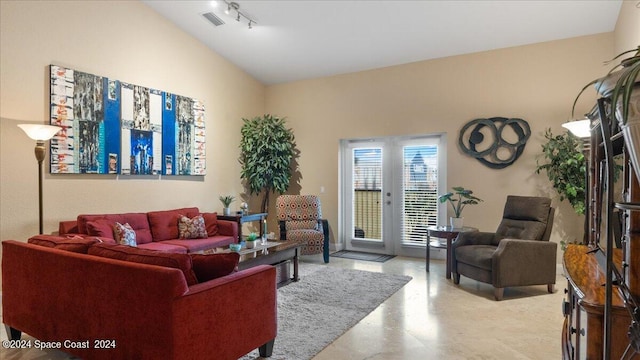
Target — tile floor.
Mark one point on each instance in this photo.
(431, 318)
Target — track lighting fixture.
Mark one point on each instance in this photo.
(234, 6)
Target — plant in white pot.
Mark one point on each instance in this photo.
(623, 90)
(252, 240)
(226, 201)
(459, 198)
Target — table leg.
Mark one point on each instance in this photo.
(448, 255)
(295, 267)
(428, 255)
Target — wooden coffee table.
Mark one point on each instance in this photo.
(280, 254)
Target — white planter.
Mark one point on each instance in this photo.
(226, 211)
(456, 223)
(251, 244)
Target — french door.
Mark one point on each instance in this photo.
(389, 189)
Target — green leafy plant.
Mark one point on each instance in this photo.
(267, 149)
(619, 85)
(252, 237)
(226, 200)
(464, 198)
(565, 167)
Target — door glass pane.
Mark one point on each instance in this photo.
(367, 191)
(419, 192)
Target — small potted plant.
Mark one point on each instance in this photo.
(252, 240)
(459, 198)
(226, 201)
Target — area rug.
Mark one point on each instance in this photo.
(323, 305)
(357, 255)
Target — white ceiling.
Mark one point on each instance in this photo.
(303, 39)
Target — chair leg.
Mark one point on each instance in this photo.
(456, 278)
(267, 349)
(13, 334)
(325, 233)
(498, 293)
(551, 288)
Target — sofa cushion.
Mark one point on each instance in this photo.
(195, 245)
(124, 234)
(213, 266)
(211, 222)
(138, 222)
(150, 257)
(73, 243)
(164, 224)
(193, 228)
(101, 227)
(477, 255)
(163, 246)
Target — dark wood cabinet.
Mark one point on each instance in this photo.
(597, 326)
(583, 331)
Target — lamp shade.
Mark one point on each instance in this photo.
(39, 132)
(579, 128)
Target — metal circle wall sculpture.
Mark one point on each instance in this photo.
(492, 152)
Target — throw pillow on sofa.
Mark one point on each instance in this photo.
(125, 235)
(193, 228)
(150, 257)
(213, 266)
(102, 228)
(211, 222)
(164, 224)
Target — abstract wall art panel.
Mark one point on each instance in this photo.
(113, 127)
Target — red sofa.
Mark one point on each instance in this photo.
(133, 310)
(155, 230)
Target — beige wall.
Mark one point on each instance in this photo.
(627, 33)
(537, 83)
(128, 41)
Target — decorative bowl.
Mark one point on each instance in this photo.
(235, 247)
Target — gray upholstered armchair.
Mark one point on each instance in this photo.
(519, 253)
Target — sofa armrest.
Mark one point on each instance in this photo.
(234, 314)
(228, 228)
(524, 262)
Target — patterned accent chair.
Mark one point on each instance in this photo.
(519, 253)
(300, 219)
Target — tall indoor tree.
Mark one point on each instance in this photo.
(267, 151)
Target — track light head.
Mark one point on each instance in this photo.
(234, 6)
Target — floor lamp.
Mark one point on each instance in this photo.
(40, 133)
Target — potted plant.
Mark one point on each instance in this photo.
(459, 198)
(565, 167)
(226, 201)
(623, 89)
(252, 240)
(267, 151)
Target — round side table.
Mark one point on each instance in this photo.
(444, 232)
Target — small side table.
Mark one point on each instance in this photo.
(444, 232)
(241, 219)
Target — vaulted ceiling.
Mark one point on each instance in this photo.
(294, 40)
